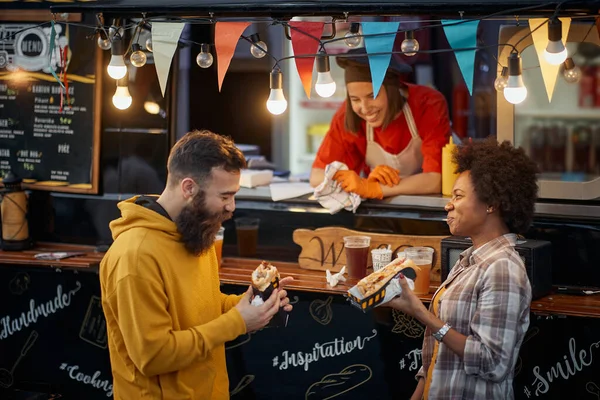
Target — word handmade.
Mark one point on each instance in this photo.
(335, 348)
(93, 380)
(62, 300)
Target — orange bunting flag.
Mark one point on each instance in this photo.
(305, 40)
(227, 35)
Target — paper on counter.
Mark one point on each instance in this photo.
(289, 190)
(334, 279)
(250, 178)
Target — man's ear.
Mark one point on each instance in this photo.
(188, 188)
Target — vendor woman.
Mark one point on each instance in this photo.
(392, 143)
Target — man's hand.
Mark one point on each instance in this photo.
(257, 317)
(352, 183)
(385, 175)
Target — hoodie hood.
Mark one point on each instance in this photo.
(136, 216)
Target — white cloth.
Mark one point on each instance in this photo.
(331, 195)
(409, 161)
(334, 279)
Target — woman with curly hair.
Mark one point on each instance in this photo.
(478, 317)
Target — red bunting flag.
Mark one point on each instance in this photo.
(306, 40)
(227, 35)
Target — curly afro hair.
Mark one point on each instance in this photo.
(503, 177)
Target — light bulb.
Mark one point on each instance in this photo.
(352, 37)
(122, 99)
(116, 67)
(151, 107)
(256, 43)
(325, 85)
(410, 45)
(204, 59)
(571, 72)
(103, 41)
(515, 91)
(276, 103)
(501, 81)
(138, 57)
(555, 52)
(149, 45)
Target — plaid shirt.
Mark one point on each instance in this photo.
(487, 299)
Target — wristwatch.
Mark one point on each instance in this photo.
(439, 335)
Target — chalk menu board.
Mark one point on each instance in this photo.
(49, 136)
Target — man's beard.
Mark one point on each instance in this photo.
(198, 226)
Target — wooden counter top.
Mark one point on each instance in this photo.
(237, 271)
(91, 258)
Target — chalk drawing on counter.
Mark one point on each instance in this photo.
(528, 336)
(6, 376)
(296, 300)
(592, 388)
(93, 380)
(334, 385)
(20, 283)
(413, 358)
(407, 325)
(569, 366)
(245, 381)
(321, 310)
(93, 328)
(242, 340)
(9, 326)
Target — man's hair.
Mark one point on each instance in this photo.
(503, 177)
(395, 103)
(198, 152)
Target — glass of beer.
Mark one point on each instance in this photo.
(422, 257)
(247, 236)
(219, 245)
(357, 255)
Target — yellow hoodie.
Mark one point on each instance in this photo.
(167, 319)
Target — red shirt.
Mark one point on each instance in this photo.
(430, 111)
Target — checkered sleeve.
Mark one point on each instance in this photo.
(503, 297)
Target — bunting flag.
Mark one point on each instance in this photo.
(379, 44)
(306, 38)
(462, 35)
(165, 36)
(540, 41)
(227, 35)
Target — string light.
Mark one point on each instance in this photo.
(410, 45)
(116, 67)
(515, 91)
(501, 81)
(115, 32)
(276, 104)
(103, 40)
(122, 99)
(149, 45)
(352, 37)
(325, 85)
(204, 59)
(556, 52)
(258, 49)
(571, 72)
(138, 57)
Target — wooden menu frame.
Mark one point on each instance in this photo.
(93, 187)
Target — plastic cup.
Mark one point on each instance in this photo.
(247, 236)
(357, 255)
(423, 258)
(219, 245)
(381, 258)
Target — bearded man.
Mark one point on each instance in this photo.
(166, 317)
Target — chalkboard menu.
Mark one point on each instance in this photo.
(49, 134)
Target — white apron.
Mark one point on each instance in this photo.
(409, 161)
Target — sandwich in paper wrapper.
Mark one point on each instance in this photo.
(265, 279)
(383, 285)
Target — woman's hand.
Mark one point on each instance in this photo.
(419, 391)
(407, 302)
(385, 175)
(352, 183)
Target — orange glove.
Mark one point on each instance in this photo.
(352, 183)
(385, 175)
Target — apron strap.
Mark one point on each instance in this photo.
(369, 133)
(412, 126)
